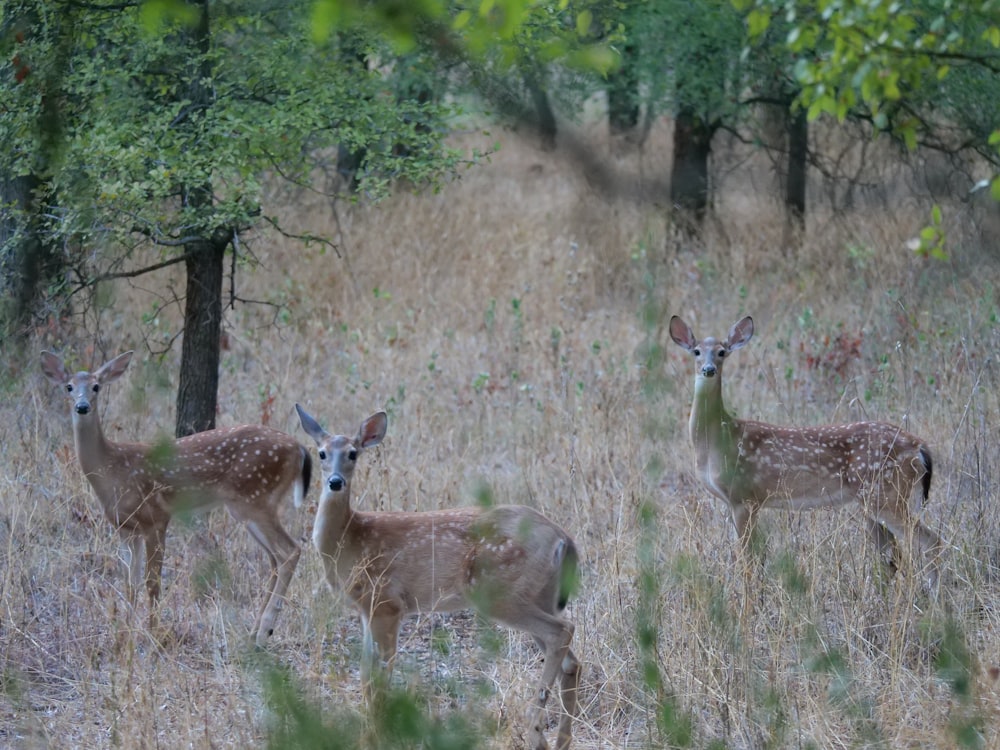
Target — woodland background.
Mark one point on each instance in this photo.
(485, 232)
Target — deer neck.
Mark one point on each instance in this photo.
(711, 425)
(92, 448)
(332, 518)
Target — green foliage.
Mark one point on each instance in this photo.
(687, 54)
(399, 720)
(879, 58)
(296, 723)
(925, 72)
(154, 125)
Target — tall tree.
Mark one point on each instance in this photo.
(702, 50)
(924, 72)
(623, 91)
(165, 136)
(29, 261)
(172, 111)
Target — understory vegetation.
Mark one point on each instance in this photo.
(513, 326)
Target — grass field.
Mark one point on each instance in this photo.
(513, 326)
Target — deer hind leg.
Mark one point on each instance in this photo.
(886, 544)
(553, 635)
(569, 685)
(905, 529)
(569, 689)
(283, 554)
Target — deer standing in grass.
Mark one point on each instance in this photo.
(249, 469)
(510, 563)
(753, 465)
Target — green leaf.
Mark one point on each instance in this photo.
(325, 18)
(757, 23)
(583, 22)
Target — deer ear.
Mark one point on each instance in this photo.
(54, 369)
(682, 334)
(310, 425)
(114, 369)
(740, 333)
(373, 430)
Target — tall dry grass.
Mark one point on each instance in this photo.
(513, 326)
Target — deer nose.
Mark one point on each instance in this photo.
(708, 371)
(336, 482)
(83, 408)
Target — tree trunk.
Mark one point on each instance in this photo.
(198, 390)
(623, 94)
(544, 118)
(197, 394)
(689, 177)
(27, 262)
(798, 151)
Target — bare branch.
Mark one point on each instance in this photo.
(306, 238)
(111, 275)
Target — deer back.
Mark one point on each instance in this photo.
(821, 466)
(413, 561)
(242, 464)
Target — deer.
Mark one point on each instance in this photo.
(248, 469)
(752, 465)
(509, 563)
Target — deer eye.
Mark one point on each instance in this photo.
(322, 455)
(722, 353)
(696, 352)
(97, 387)
(353, 455)
(69, 387)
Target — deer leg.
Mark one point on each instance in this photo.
(886, 544)
(378, 653)
(924, 544)
(156, 542)
(554, 635)
(932, 546)
(272, 578)
(283, 554)
(745, 520)
(133, 553)
(569, 686)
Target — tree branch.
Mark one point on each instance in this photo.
(111, 275)
(306, 238)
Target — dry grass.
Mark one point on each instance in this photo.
(513, 326)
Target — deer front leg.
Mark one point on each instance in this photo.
(745, 521)
(381, 631)
(156, 542)
(134, 556)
